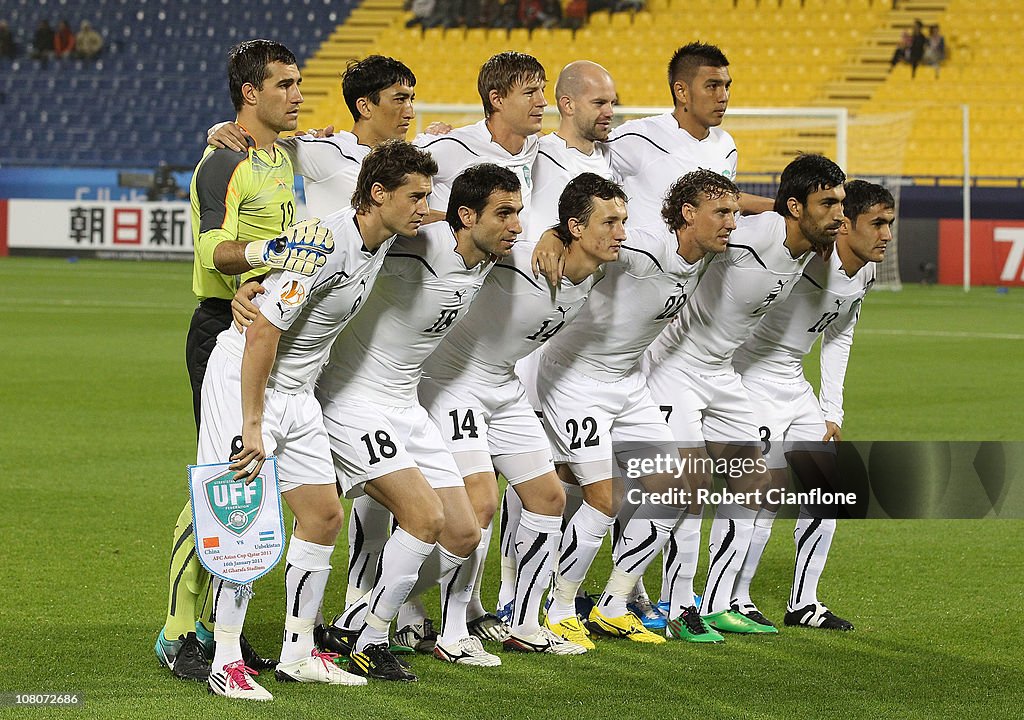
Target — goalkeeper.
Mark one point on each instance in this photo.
(242, 206)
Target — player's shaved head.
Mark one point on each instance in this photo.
(573, 79)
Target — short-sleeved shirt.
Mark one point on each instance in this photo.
(640, 294)
(311, 310)
(555, 166)
(754, 274)
(330, 167)
(512, 316)
(423, 290)
(472, 145)
(651, 153)
(237, 196)
(825, 302)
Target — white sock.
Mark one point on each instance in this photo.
(354, 616)
(230, 602)
(639, 542)
(457, 581)
(475, 608)
(580, 542)
(730, 538)
(758, 541)
(680, 564)
(400, 564)
(412, 612)
(813, 539)
(368, 526)
(511, 512)
(307, 567)
(536, 545)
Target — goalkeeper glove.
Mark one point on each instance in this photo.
(303, 248)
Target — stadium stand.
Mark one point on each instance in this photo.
(783, 52)
(159, 82)
(157, 86)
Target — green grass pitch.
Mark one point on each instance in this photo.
(97, 430)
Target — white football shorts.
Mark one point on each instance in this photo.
(293, 426)
(488, 427)
(699, 408)
(369, 440)
(788, 412)
(590, 422)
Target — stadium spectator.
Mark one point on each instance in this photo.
(88, 42)
(575, 16)
(451, 13)
(935, 49)
(499, 14)
(42, 41)
(422, 13)
(64, 40)
(537, 13)
(7, 47)
(917, 45)
(629, 5)
(902, 52)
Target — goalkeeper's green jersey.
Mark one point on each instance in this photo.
(237, 196)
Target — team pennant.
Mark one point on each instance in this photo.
(239, 523)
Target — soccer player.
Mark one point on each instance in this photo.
(383, 441)
(258, 401)
(473, 393)
(379, 92)
(649, 154)
(593, 394)
(241, 202)
(691, 375)
(699, 215)
(585, 95)
(826, 302)
(511, 86)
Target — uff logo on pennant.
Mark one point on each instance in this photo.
(232, 502)
(239, 529)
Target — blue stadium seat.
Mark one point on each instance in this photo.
(157, 87)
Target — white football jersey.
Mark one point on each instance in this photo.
(330, 167)
(514, 314)
(311, 310)
(556, 165)
(825, 301)
(756, 273)
(640, 294)
(423, 289)
(472, 145)
(651, 153)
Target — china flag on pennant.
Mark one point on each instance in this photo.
(211, 542)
